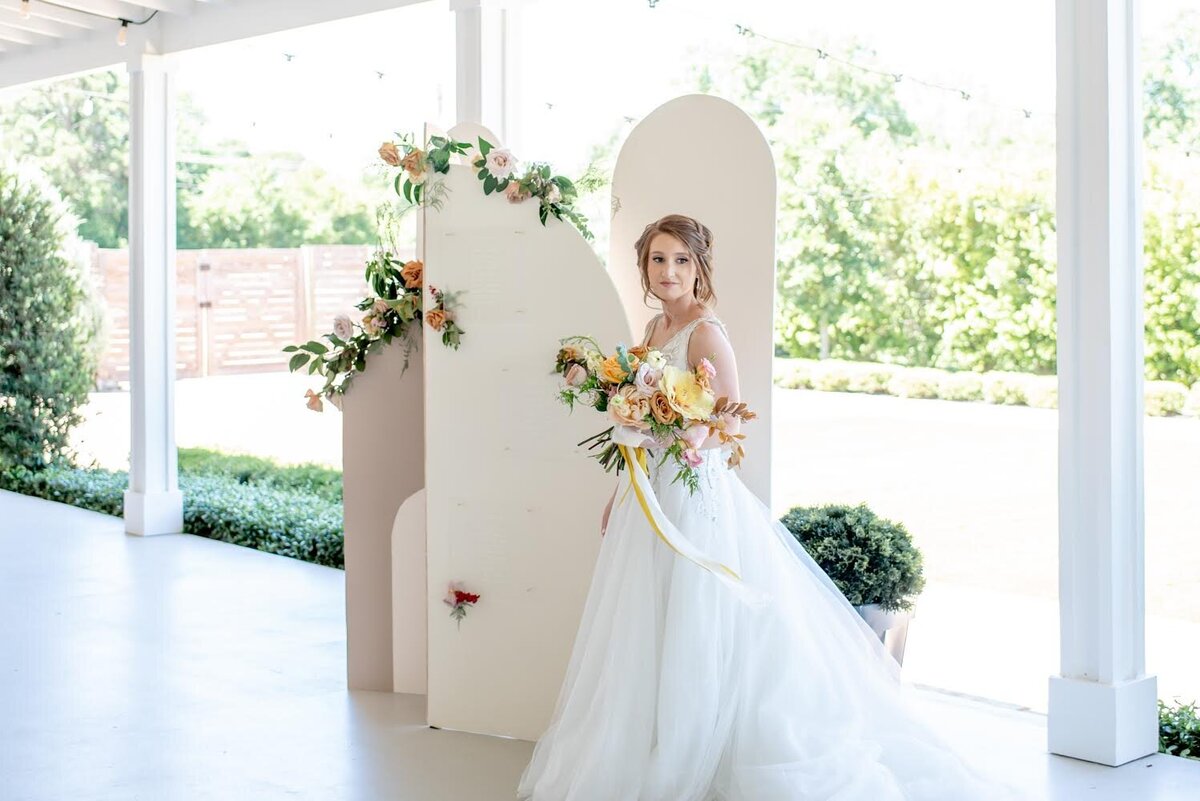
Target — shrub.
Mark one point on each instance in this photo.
(871, 560)
(319, 480)
(1165, 398)
(1005, 387)
(793, 373)
(916, 382)
(1042, 391)
(293, 523)
(871, 377)
(830, 376)
(1179, 730)
(962, 386)
(47, 363)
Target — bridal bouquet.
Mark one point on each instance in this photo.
(648, 398)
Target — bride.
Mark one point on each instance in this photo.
(678, 689)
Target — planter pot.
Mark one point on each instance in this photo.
(891, 627)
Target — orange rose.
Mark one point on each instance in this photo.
(639, 352)
(612, 371)
(412, 274)
(660, 407)
(390, 154)
(436, 318)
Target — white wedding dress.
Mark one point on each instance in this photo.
(677, 690)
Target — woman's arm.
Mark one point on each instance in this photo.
(709, 342)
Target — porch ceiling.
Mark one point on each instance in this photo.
(66, 37)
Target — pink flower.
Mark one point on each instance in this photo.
(694, 435)
(647, 380)
(692, 457)
(575, 375)
(705, 368)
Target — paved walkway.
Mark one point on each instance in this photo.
(178, 667)
(974, 483)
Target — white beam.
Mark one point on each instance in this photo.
(1103, 706)
(55, 30)
(153, 503)
(28, 38)
(66, 16)
(181, 7)
(107, 8)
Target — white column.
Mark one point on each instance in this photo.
(1102, 706)
(486, 82)
(153, 503)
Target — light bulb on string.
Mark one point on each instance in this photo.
(122, 33)
(25, 9)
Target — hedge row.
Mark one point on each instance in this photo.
(1162, 398)
(254, 508)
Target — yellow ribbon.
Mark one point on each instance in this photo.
(636, 462)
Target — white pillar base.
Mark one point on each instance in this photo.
(1110, 724)
(150, 513)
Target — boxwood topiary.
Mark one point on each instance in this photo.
(870, 559)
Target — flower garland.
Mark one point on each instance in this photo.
(497, 167)
(390, 314)
(397, 300)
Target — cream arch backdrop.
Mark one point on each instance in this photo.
(495, 494)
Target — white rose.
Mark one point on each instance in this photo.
(553, 194)
(594, 361)
(655, 359)
(501, 162)
(343, 329)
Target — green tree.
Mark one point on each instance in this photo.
(47, 362)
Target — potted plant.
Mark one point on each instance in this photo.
(871, 560)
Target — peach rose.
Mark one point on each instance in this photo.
(515, 193)
(411, 273)
(413, 162)
(660, 407)
(628, 408)
(570, 353)
(390, 154)
(436, 318)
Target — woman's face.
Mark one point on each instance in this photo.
(670, 268)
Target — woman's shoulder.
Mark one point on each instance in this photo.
(708, 336)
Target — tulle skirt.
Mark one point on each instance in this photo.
(677, 690)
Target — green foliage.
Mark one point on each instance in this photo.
(291, 511)
(1179, 730)
(314, 479)
(871, 560)
(47, 362)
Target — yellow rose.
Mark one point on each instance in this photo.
(686, 395)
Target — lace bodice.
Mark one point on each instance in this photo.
(675, 349)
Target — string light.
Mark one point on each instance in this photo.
(122, 33)
(25, 9)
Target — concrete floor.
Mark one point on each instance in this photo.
(184, 668)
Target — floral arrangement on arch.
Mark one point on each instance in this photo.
(639, 392)
(390, 315)
(497, 171)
